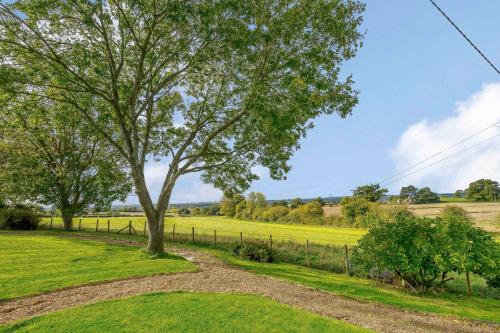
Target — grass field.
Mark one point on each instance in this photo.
(33, 264)
(183, 312)
(478, 308)
(228, 227)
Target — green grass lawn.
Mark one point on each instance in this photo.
(228, 227)
(183, 312)
(33, 264)
(445, 304)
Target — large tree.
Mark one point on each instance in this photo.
(483, 190)
(52, 157)
(408, 193)
(425, 195)
(370, 192)
(215, 87)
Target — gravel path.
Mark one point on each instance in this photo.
(215, 276)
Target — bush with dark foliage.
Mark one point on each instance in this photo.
(19, 218)
(253, 251)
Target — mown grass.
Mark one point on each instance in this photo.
(450, 304)
(183, 312)
(481, 306)
(453, 303)
(33, 264)
(229, 227)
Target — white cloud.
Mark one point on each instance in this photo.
(189, 188)
(426, 138)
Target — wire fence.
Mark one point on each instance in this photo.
(328, 257)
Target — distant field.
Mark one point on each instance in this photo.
(227, 227)
(485, 214)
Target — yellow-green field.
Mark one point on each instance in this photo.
(228, 227)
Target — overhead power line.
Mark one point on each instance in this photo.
(439, 152)
(441, 160)
(465, 36)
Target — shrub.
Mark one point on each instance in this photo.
(213, 210)
(422, 251)
(184, 211)
(425, 195)
(19, 219)
(273, 213)
(454, 212)
(354, 208)
(196, 211)
(310, 213)
(253, 251)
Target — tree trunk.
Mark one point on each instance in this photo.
(67, 220)
(155, 241)
(153, 215)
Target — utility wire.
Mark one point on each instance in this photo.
(444, 158)
(465, 36)
(439, 152)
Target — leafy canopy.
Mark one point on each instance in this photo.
(210, 86)
(483, 190)
(51, 157)
(422, 251)
(370, 192)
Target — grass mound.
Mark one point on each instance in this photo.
(183, 312)
(35, 264)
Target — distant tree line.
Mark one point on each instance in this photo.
(256, 207)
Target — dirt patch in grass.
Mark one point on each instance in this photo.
(216, 276)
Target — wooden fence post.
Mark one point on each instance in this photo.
(130, 227)
(346, 258)
(108, 225)
(144, 232)
(215, 239)
(173, 234)
(80, 225)
(241, 238)
(192, 234)
(469, 288)
(308, 260)
(50, 224)
(97, 225)
(271, 243)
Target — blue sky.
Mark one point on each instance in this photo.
(412, 71)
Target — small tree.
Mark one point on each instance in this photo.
(295, 203)
(483, 190)
(423, 251)
(425, 195)
(53, 158)
(458, 194)
(408, 193)
(353, 208)
(213, 210)
(228, 204)
(184, 211)
(473, 249)
(370, 192)
(260, 200)
(309, 213)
